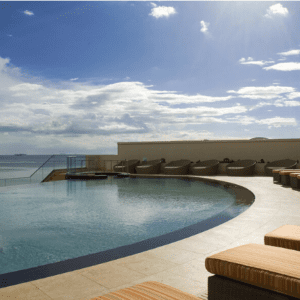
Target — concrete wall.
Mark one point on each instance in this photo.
(269, 150)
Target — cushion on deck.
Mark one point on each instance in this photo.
(276, 170)
(268, 267)
(150, 290)
(294, 174)
(286, 172)
(286, 236)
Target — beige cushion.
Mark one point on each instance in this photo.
(268, 267)
(150, 290)
(286, 172)
(276, 171)
(287, 236)
(294, 174)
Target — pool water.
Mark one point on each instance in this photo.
(55, 221)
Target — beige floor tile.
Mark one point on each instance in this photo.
(194, 270)
(69, 286)
(23, 291)
(173, 254)
(182, 283)
(197, 246)
(112, 275)
(151, 266)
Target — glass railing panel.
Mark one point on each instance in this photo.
(55, 162)
(14, 181)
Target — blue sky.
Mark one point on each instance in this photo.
(78, 77)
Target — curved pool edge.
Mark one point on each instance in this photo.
(243, 196)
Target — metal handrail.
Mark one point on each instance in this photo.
(41, 165)
(29, 177)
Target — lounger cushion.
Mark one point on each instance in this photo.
(286, 236)
(268, 267)
(277, 170)
(294, 174)
(286, 172)
(150, 290)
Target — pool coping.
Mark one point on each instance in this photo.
(244, 197)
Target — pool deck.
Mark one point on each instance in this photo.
(179, 264)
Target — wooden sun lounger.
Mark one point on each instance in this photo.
(126, 166)
(295, 180)
(208, 167)
(150, 167)
(286, 236)
(150, 290)
(241, 168)
(277, 175)
(279, 164)
(253, 269)
(177, 167)
(285, 176)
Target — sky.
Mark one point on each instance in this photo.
(79, 77)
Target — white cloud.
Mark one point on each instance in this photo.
(204, 27)
(294, 95)
(259, 105)
(250, 61)
(291, 52)
(269, 92)
(87, 116)
(162, 11)
(28, 13)
(276, 10)
(289, 66)
(278, 122)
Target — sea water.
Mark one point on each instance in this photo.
(13, 166)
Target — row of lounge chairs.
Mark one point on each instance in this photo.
(208, 167)
(287, 177)
(247, 272)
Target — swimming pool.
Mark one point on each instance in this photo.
(49, 223)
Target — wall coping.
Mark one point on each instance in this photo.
(212, 141)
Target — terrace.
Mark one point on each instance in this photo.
(180, 264)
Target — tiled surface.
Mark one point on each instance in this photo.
(180, 264)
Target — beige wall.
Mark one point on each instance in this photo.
(101, 162)
(269, 150)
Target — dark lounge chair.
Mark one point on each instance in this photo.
(208, 167)
(284, 175)
(150, 167)
(295, 180)
(254, 271)
(241, 168)
(279, 164)
(126, 166)
(177, 167)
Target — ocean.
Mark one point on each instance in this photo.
(16, 166)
